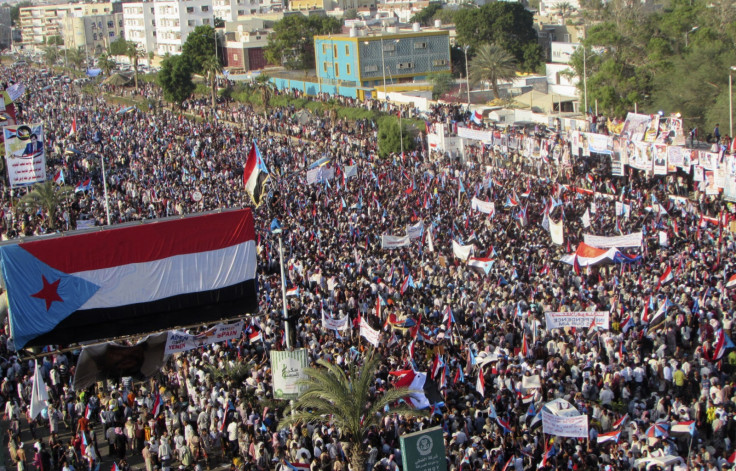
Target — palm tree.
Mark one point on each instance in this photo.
(50, 55)
(263, 81)
(133, 53)
(48, 197)
(76, 57)
(345, 396)
(492, 64)
(212, 66)
(564, 9)
(106, 64)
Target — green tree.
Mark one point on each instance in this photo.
(219, 22)
(509, 25)
(389, 136)
(264, 85)
(292, 42)
(106, 64)
(199, 46)
(426, 15)
(492, 64)
(119, 47)
(212, 67)
(442, 82)
(344, 396)
(75, 57)
(55, 40)
(175, 78)
(50, 55)
(133, 53)
(350, 14)
(48, 197)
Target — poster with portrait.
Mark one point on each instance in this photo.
(676, 130)
(659, 155)
(24, 154)
(710, 183)
(617, 155)
(635, 126)
(643, 154)
(652, 129)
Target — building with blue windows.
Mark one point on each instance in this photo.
(381, 59)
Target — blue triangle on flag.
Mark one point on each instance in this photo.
(39, 297)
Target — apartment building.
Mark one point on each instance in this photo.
(93, 33)
(176, 19)
(230, 10)
(39, 22)
(139, 23)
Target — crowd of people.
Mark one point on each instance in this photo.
(637, 377)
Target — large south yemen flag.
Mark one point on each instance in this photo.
(130, 280)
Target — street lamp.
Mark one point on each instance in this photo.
(694, 28)
(467, 75)
(730, 101)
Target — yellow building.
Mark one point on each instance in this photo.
(43, 21)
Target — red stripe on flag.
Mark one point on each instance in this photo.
(144, 243)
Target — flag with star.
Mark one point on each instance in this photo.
(130, 280)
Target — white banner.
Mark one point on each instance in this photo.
(623, 209)
(415, 231)
(474, 134)
(179, 341)
(529, 382)
(371, 335)
(603, 242)
(575, 427)
(287, 369)
(16, 91)
(556, 230)
(483, 206)
(577, 319)
(461, 251)
(351, 171)
(394, 242)
(320, 175)
(25, 154)
(331, 323)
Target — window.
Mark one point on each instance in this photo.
(370, 68)
(406, 65)
(206, 21)
(337, 69)
(347, 69)
(190, 22)
(241, 12)
(324, 48)
(190, 9)
(334, 50)
(205, 8)
(324, 67)
(110, 24)
(235, 57)
(389, 47)
(439, 63)
(421, 45)
(94, 37)
(347, 50)
(112, 34)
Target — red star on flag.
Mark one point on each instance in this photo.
(49, 292)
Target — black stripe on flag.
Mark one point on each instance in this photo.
(184, 309)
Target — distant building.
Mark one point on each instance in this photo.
(39, 22)
(176, 19)
(230, 10)
(396, 56)
(5, 27)
(244, 44)
(93, 33)
(139, 20)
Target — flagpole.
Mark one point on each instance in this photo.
(283, 293)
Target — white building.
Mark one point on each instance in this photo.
(561, 77)
(140, 23)
(176, 19)
(230, 10)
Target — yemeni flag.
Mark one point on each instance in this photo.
(620, 422)
(157, 405)
(424, 391)
(480, 384)
(59, 177)
(255, 175)
(130, 280)
(73, 129)
(731, 281)
(666, 277)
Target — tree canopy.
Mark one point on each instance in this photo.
(676, 60)
(426, 15)
(199, 46)
(506, 24)
(292, 42)
(175, 78)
